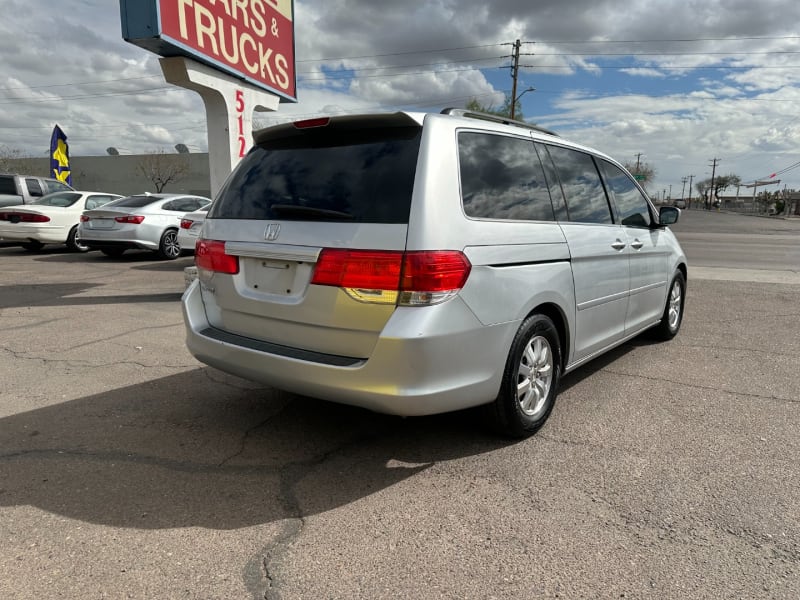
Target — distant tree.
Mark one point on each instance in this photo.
(642, 171)
(14, 160)
(721, 183)
(503, 111)
(162, 168)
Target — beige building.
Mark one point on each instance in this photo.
(120, 174)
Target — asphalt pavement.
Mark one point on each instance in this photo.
(130, 470)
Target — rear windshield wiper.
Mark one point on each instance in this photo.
(292, 210)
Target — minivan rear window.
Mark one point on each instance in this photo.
(326, 174)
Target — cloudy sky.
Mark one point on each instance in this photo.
(674, 83)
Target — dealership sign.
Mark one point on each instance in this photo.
(249, 39)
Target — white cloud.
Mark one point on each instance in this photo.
(679, 82)
(644, 72)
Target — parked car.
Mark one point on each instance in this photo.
(679, 203)
(191, 224)
(24, 189)
(422, 263)
(145, 221)
(52, 219)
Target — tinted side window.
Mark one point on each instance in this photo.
(7, 185)
(501, 178)
(56, 186)
(583, 189)
(97, 201)
(631, 204)
(34, 189)
(556, 193)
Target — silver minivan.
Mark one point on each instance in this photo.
(422, 263)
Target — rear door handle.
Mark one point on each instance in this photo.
(618, 245)
(637, 244)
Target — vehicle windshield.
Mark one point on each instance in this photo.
(62, 199)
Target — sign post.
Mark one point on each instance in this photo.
(238, 55)
(229, 106)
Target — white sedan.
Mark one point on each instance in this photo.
(191, 224)
(144, 221)
(52, 219)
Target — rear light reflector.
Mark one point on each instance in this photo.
(132, 219)
(210, 256)
(85, 219)
(407, 278)
(186, 223)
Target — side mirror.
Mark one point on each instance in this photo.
(667, 215)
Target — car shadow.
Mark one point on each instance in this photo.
(599, 363)
(68, 294)
(205, 449)
(144, 258)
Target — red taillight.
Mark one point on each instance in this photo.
(308, 123)
(24, 217)
(84, 219)
(367, 269)
(415, 278)
(434, 271)
(210, 256)
(132, 219)
(186, 223)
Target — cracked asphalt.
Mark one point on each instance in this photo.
(129, 470)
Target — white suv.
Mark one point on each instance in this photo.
(422, 263)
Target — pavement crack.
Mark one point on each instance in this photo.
(703, 387)
(274, 554)
(739, 349)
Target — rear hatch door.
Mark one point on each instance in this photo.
(339, 183)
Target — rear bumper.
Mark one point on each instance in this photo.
(417, 367)
(98, 239)
(125, 245)
(26, 233)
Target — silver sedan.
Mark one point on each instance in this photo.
(144, 221)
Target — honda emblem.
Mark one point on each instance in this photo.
(272, 232)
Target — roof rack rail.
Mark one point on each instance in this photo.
(472, 114)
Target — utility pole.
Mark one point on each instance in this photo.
(670, 192)
(638, 156)
(714, 162)
(689, 205)
(514, 72)
(683, 189)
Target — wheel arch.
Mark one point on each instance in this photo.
(556, 314)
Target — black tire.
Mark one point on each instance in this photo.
(535, 354)
(33, 246)
(673, 310)
(74, 241)
(168, 246)
(112, 252)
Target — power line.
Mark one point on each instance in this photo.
(41, 87)
(401, 53)
(82, 97)
(365, 69)
(666, 40)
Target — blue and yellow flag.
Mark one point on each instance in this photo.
(59, 156)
